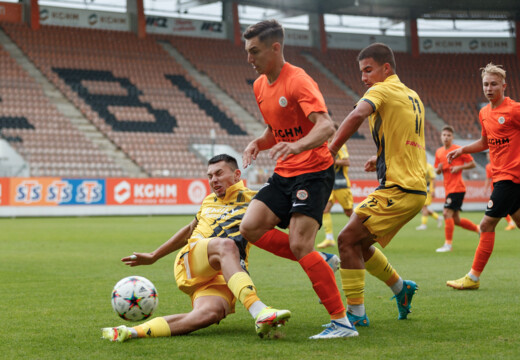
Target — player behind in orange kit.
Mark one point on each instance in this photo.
(500, 121)
(454, 187)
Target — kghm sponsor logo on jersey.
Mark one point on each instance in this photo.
(498, 142)
(290, 134)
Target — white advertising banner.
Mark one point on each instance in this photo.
(92, 19)
(466, 45)
(294, 37)
(185, 27)
(360, 41)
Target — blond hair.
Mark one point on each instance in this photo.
(493, 69)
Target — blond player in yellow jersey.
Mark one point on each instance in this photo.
(341, 193)
(396, 120)
(211, 266)
(426, 212)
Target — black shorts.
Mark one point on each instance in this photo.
(454, 201)
(305, 194)
(504, 200)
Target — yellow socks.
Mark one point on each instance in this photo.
(353, 284)
(327, 224)
(157, 327)
(379, 267)
(243, 288)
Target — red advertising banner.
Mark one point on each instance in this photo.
(4, 191)
(126, 191)
(10, 12)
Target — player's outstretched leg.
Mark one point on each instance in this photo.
(120, 333)
(269, 319)
(404, 298)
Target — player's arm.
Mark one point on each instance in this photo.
(174, 243)
(350, 125)
(343, 162)
(264, 142)
(477, 146)
(322, 130)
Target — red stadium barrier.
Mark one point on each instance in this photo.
(10, 12)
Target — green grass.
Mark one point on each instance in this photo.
(57, 275)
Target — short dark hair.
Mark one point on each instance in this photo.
(267, 31)
(381, 53)
(448, 128)
(228, 159)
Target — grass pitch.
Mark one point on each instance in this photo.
(57, 275)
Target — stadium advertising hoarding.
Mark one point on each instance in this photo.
(56, 191)
(4, 191)
(185, 27)
(10, 12)
(126, 191)
(49, 191)
(91, 19)
(467, 45)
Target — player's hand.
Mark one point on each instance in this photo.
(370, 165)
(138, 259)
(455, 169)
(453, 155)
(283, 149)
(250, 154)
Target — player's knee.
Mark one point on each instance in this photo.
(212, 316)
(226, 246)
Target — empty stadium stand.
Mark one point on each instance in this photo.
(40, 133)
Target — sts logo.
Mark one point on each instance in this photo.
(28, 192)
(59, 192)
(89, 191)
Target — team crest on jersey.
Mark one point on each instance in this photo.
(282, 101)
(490, 204)
(501, 120)
(302, 194)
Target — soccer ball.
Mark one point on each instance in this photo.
(134, 298)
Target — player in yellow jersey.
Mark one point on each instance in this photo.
(430, 176)
(396, 120)
(341, 193)
(211, 266)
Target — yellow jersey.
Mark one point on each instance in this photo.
(430, 176)
(397, 127)
(221, 217)
(341, 180)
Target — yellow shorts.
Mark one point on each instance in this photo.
(428, 199)
(387, 210)
(196, 277)
(344, 197)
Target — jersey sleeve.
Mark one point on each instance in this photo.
(466, 158)
(306, 92)
(375, 96)
(437, 161)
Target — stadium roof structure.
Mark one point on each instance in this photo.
(393, 9)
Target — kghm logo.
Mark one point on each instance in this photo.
(44, 14)
(92, 19)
